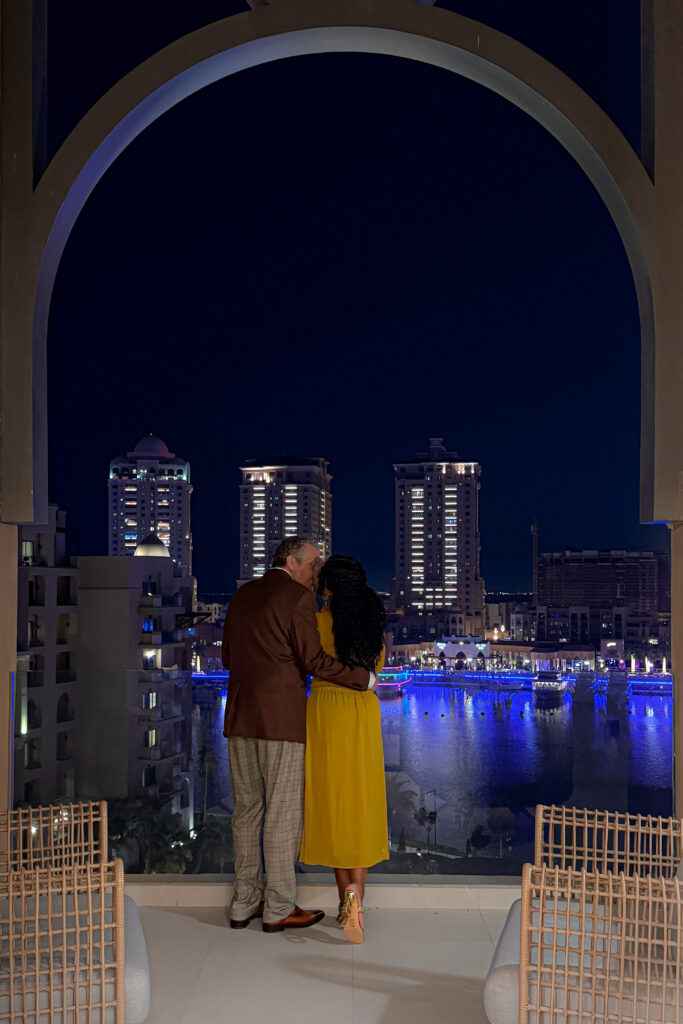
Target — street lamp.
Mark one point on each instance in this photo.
(432, 792)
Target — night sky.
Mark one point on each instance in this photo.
(341, 255)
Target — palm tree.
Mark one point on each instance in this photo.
(479, 840)
(501, 822)
(161, 841)
(169, 849)
(214, 841)
(207, 763)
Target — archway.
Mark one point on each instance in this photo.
(38, 223)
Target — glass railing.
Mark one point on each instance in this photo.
(468, 756)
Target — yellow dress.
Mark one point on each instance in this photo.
(345, 804)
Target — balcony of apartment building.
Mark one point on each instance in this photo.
(150, 672)
(67, 591)
(157, 746)
(36, 591)
(64, 746)
(31, 554)
(171, 712)
(157, 708)
(164, 661)
(34, 715)
(66, 628)
(170, 784)
(65, 670)
(35, 673)
(150, 639)
(35, 632)
(65, 709)
(66, 783)
(150, 630)
(32, 754)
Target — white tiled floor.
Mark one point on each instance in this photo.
(415, 967)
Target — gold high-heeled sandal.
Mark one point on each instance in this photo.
(341, 916)
(353, 926)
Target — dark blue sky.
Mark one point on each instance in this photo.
(341, 255)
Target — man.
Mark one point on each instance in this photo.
(271, 645)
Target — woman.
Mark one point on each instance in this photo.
(345, 811)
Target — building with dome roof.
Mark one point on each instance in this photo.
(151, 547)
(149, 494)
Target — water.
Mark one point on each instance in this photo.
(481, 757)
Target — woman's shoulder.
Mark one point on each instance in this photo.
(325, 629)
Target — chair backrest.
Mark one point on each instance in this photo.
(606, 946)
(62, 943)
(607, 841)
(59, 836)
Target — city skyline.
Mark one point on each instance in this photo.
(467, 282)
(152, 448)
(276, 475)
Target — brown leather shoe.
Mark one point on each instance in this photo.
(297, 919)
(243, 924)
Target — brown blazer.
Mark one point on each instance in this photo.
(271, 645)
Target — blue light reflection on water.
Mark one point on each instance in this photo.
(474, 744)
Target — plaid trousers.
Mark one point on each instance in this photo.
(268, 788)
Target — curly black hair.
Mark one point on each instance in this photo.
(358, 617)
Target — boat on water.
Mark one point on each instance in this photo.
(548, 686)
(391, 685)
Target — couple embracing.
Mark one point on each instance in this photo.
(307, 775)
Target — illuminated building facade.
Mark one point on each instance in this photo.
(46, 688)
(135, 696)
(437, 536)
(282, 497)
(149, 492)
(591, 595)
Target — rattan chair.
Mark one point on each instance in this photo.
(595, 936)
(572, 838)
(62, 945)
(59, 835)
(599, 948)
(72, 949)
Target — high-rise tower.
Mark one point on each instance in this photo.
(149, 492)
(281, 497)
(437, 534)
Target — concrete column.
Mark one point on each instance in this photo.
(8, 658)
(676, 533)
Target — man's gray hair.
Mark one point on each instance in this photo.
(293, 546)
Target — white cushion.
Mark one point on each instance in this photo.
(501, 988)
(137, 965)
(136, 973)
